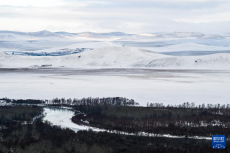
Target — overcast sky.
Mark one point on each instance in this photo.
(131, 16)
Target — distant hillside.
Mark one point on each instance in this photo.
(119, 57)
(46, 33)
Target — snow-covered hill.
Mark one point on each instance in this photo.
(190, 47)
(99, 35)
(46, 33)
(212, 37)
(92, 45)
(121, 35)
(115, 49)
(119, 57)
(65, 50)
(215, 61)
(173, 35)
(34, 34)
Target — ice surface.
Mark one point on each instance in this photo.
(142, 85)
(62, 118)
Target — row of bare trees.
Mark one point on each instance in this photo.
(112, 101)
(154, 120)
(189, 105)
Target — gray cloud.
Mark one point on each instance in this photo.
(115, 15)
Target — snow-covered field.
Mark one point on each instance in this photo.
(142, 85)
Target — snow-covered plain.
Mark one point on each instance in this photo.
(143, 85)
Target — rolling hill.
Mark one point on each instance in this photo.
(119, 57)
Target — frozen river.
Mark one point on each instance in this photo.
(62, 117)
(142, 85)
(58, 116)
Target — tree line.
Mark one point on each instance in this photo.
(112, 101)
(178, 121)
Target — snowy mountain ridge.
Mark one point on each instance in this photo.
(46, 33)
